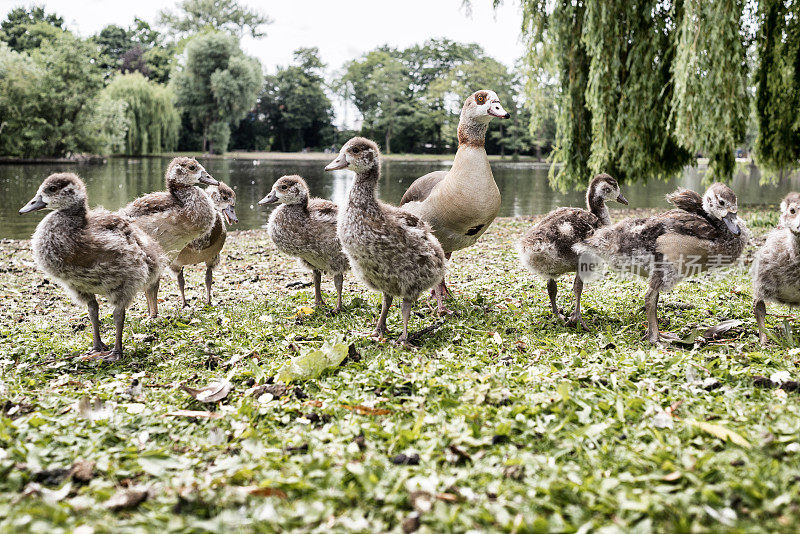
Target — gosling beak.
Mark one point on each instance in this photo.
(272, 198)
(730, 222)
(230, 215)
(339, 163)
(36, 203)
(206, 178)
(496, 110)
(622, 200)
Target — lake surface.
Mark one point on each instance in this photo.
(524, 186)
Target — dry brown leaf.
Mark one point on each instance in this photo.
(193, 413)
(365, 410)
(124, 499)
(447, 497)
(267, 492)
(314, 403)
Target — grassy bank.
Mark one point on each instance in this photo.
(501, 419)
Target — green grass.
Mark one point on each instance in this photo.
(519, 424)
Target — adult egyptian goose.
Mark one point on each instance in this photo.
(177, 216)
(92, 252)
(461, 203)
(390, 249)
(546, 249)
(776, 269)
(306, 228)
(700, 234)
(206, 248)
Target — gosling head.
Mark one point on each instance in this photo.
(287, 190)
(358, 154)
(224, 199)
(790, 213)
(58, 191)
(603, 187)
(483, 106)
(186, 172)
(720, 202)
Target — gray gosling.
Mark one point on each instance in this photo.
(702, 233)
(546, 249)
(174, 217)
(206, 248)
(776, 269)
(461, 203)
(306, 228)
(92, 252)
(390, 249)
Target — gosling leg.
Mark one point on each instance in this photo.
(552, 291)
(338, 281)
(318, 288)
(576, 319)
(380, 328)
(405, 309)
(181, 285)
(650, 304)
(209, 282)
(94, 317)
(760, 311)
(152, 299)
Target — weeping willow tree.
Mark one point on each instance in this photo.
(778, 85)
(641, 86)
(710, 102)
(152, 117)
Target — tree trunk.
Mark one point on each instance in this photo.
(388, 141)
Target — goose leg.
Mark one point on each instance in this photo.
(152, 299)
(380, 328)
(318, 288)
(338, 280)
(209, 281)
(760, 311)
(181, 285)
(406, 312)
(94, 317)
(119, 324)
(552, 291)
(650, 304)
(575, 319)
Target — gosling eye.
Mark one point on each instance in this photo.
(284, 187)
(355, 150)
(52, 189)
(721, 202)
(792, 211)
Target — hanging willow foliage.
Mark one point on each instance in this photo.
(560, 26)
(643, 85)
(710, 73)
(630, 90)
(151, 112)
(778, 85)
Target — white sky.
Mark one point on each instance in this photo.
(342, 29)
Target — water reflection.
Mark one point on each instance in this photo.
(524, 186)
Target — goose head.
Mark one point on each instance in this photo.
(483, 106)
(287, 190)
(358, 154)
(720, 202)
(790, 213)
(186, 172)
(58, 191)
(224, 199)
(604, 188)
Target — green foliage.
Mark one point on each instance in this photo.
(293, 110)
(777, 102)
(139, 48)
(230, 16)
(710, 76)
(217, 84)
(26, 29)
(150, 111)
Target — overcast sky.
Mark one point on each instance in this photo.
(342, 29)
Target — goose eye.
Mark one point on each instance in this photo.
(480, 99)
(52, 189)
(721, 202)
(355, 150)
(792, 211)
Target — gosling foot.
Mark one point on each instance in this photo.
(108, 356)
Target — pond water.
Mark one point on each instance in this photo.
(524, 186)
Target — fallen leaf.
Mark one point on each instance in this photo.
(721, 432)
(312, 363)
(193, 413)
(127, 498)
(94, 409)
(305, 310)
(715, 331)
(82, 471)
(214, 392)
(266, 492)
(314, 403)
(365, 410)
(671, 477)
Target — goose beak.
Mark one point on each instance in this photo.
(730, 222)
(622, 200)
(36, 203)
(206, 178)
(272, 198)
(339, 163)
(496, 110)
(230, 215)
